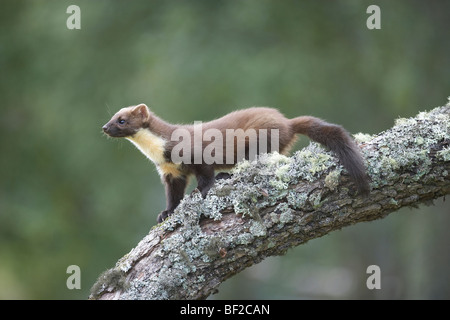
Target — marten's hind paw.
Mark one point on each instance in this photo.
(163, 216)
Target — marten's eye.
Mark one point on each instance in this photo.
(121, 121)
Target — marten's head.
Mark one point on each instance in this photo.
(127, 121)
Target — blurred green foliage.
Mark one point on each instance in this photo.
(69, 195)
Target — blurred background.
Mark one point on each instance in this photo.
(70, 196)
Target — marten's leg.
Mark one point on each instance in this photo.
(175, 188)
(205, 178)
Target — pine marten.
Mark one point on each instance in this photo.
(160, 142)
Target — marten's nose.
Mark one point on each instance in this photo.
(105, 127)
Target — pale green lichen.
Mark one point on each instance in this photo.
(243, 165)
(317, 161)
(275, 159)
(363, 137)
(296, 200)
(400, 121)
(274, 217)
(332, 179)
(388, 163)
(397, 150)
(393, 201)
(257, 229)
(279, 184)
(314, 199)
(110, 280)
(286, 214)
(444, 154)
(282, 173)
(419, 141)
(245, 238)
(271, 244)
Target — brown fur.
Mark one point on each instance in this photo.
(153, 137)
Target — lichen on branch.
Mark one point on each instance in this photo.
(277, 202)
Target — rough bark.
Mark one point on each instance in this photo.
(279, 202)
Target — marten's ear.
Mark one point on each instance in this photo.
(141, 110)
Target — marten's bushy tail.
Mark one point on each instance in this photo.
(339, 141)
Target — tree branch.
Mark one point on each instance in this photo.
(279, 202)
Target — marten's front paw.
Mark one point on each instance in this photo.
(223, 176)
(163, 216)
(204, 192)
